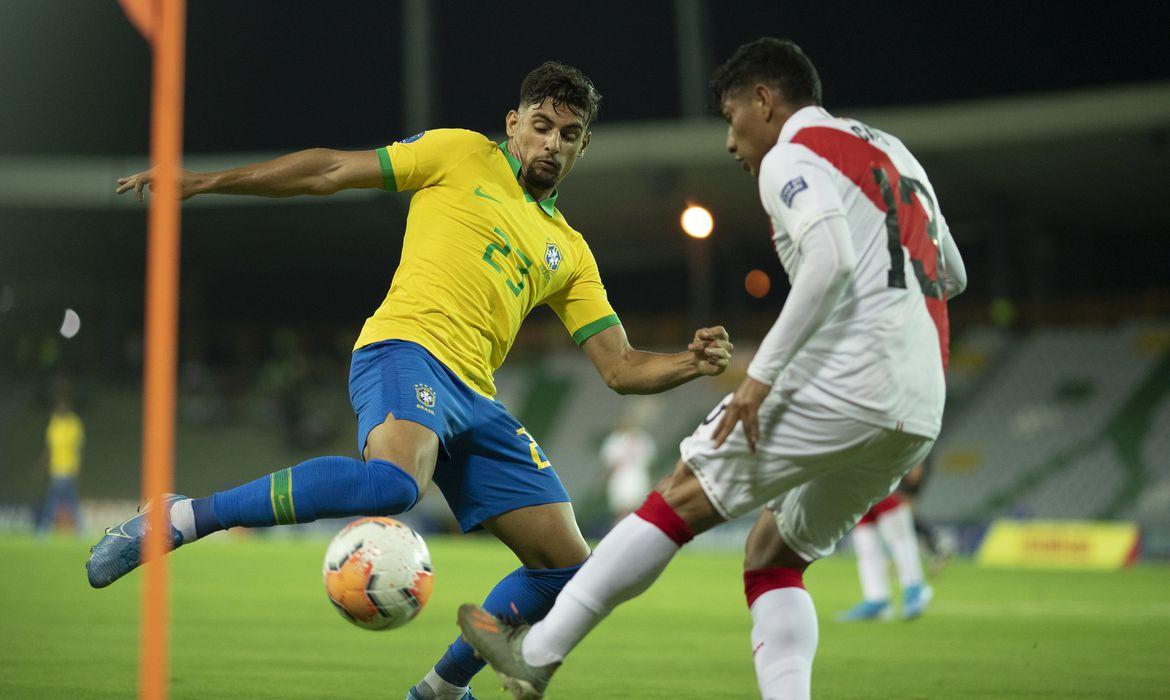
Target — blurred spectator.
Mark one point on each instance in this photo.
(201, 403)
(627, 454)
(64, 441)
(287, 376)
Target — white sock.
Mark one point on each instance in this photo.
(183, 518)
(872, 564)
(439, 688)
(623, 565)
(896, 528)
(784, 642)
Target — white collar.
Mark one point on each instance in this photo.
(800, 119)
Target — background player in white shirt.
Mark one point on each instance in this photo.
(843, 397)
(627, 455)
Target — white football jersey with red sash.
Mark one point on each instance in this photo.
(880, 355)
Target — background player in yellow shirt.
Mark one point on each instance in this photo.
(484, 245)
(64, 442)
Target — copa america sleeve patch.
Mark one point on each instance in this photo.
(792, 188)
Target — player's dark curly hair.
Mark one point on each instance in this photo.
(565, 85)
(776, 62)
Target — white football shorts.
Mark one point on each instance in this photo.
(817, 470)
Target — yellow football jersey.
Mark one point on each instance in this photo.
(478, 255)
(64, 438)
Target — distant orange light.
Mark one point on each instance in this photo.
(757, 283)
(697, 222)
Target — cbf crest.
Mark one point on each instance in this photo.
(426, 398)
(552, 256)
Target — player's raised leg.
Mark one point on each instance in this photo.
(549, 545)
(321, 487)
(399, 442)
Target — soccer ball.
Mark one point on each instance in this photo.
(378, 573)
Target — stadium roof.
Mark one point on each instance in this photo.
(1092, 159)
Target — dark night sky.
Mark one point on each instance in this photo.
(278, 76)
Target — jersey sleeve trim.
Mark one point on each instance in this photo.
(388, 182)
(591, 329)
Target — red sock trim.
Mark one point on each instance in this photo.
(884, 506)
(757, 582)
(658, 513)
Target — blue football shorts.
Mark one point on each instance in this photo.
(488, 463)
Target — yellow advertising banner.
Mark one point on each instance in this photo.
(1059, 544)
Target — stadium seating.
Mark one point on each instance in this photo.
(1065, 423)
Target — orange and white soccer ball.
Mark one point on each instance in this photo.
(378, 573)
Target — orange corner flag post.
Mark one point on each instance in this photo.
(167, 31)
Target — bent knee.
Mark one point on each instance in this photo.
(389, 490)
(411, 447)
(766, 549)
(685, 495)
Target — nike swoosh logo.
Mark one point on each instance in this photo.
(480, 193)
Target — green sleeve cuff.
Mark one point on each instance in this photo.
(388, 182)
(591, 329)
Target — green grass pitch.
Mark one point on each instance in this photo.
(250, 620)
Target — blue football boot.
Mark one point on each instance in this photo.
(867, 610)
(915, 599)
(414, 694)
(119, 551)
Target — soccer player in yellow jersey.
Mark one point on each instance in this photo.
(64, 441)
(484, 245)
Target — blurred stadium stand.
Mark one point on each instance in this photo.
(1059, 404)
(1064, 424)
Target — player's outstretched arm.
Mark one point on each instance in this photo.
(316, 171)
(630, 371)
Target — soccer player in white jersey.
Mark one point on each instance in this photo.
(843, 397)
(627, 454)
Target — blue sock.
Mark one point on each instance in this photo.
(322, 487)
(525, 593)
